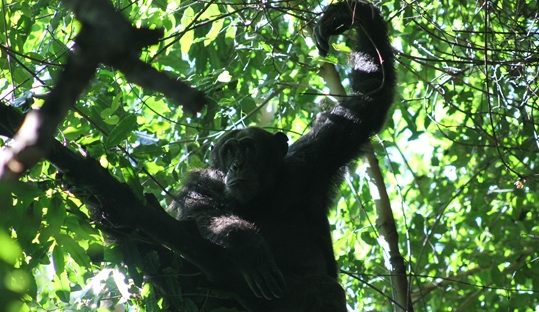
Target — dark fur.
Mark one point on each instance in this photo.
(284, 218)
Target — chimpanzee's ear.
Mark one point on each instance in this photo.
(282, 143)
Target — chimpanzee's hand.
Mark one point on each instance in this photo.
(330, 24)
(338, 18)
(258, 268)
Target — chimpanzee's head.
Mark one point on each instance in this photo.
(251, 158)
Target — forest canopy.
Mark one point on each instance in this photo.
(459, 152)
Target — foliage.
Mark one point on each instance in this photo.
(459, 154)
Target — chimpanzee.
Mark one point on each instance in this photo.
(265, 204)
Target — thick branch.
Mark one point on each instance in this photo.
(106, 37)
(123, 209)
(110, 38)
(33, 139)
(385, 224)
(148, 77)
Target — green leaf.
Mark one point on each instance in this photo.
(10, 251)
(368, 238)
(157, 105)
(187, 39)
(63, 295)
(131, 178)
(74, 250)
(126, 126)
(56, 212)
(58, 260)
(214, 31)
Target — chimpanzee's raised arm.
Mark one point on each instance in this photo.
(337, 135)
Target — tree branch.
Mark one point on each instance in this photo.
(106, 37)
(117, 207)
